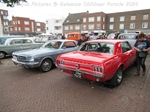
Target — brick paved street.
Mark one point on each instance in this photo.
(29, 90)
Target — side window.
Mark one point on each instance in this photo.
(69, 44)
(25, 41)
(126, 47)
(15, 42)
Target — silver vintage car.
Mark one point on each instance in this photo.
(16, 44)
(44, 57)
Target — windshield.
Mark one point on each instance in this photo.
(52, 44)
(100, 47)
(127, 37)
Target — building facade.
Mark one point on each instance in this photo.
(54, 26)
(129, 21)
(1, 27)
(73, 23)
(22, 26)
(4, 21)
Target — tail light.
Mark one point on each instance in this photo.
(98, 70)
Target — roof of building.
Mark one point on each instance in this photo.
(74, 18)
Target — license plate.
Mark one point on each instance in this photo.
(78, 75)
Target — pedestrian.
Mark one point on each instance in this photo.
(142, 47)
(81, 40)
(63, 37)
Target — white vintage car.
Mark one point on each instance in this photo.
(17, 44)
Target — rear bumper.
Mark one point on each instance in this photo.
(26, 64)
(83, 72)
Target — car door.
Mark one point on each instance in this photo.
(128, 54)
(14, 45)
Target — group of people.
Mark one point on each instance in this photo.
(60, 36)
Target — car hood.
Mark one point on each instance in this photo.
(34, 52)
(88, 57)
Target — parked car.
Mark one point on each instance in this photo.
(130, 37)
(4, 38)
(99, 60)
(73, 36)
(15, 44)
(44, 57)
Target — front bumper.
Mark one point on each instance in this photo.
(29, 64)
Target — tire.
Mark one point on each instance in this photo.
(46, 65)
(117, 78)
(2, 55)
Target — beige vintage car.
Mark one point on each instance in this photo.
(17, 44)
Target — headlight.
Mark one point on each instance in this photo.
(31, 59)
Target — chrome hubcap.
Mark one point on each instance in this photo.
(119, 76)
(46, 66)
(2, 55)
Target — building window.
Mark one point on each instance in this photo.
(122, 18)
(133, 17)
(77, 27)
(1, 12)
(46, 21)
(71, 27)
(27, 29)
(91, 26)
(14, 22)
(84, 20)
(145, 25)
(145, 17)
(6, 13)
(98, 18)
(84, 27)
(38, 29)
(67, 21)
(15, 28)
(26, 22)
(121, 26)
(78, 20)
(19, 29)
(103, 19)
(38, 24)
(98, 26)
(10, 29)
(111, 26)
(132, 25)
(111, 19)
(66, 28)
(91, 19)
(47, 28)
(4, 17)
(103, 26)
(18, 22)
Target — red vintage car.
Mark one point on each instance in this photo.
(99, 60)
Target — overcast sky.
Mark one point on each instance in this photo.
(41, 10)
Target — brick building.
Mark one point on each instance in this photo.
(4, 21)
(22, 25)
(131, 21)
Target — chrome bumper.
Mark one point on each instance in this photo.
(26, 64)
(84, 72)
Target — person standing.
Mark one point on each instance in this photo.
(63, 37)
(142, 47)
(81, 40)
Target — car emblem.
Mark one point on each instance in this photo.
(77, 66)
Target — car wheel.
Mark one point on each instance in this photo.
(46, 65)
(117, 78)
(2, 55)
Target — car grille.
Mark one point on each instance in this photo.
(21, 58)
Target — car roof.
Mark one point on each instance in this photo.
(113, 41)
(62, 40)
(128, 34)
